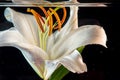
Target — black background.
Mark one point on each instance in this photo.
(103, 63)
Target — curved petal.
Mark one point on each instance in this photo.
(11, 36)
(35, 57)
(84, 35)
(33, 54)
(24, 23)
(74, 62)
(35, 60)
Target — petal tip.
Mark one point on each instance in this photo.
(8, 14)
(102, 37)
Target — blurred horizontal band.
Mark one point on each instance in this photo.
(54, 4)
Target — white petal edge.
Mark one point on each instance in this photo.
(11, 35)
(24, 23)
(72, 62)
(84, 35)
(33, 54)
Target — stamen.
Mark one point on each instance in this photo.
(64, 17)
(49, 19)
(50, 23)
(57, 18)
(37, 17)
(43, 9)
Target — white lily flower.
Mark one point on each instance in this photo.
(46, 51)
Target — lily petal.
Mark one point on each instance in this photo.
(84, 35)
(25, 24)
(72, 62)
(33, 54)
(36, 58)
(50, 67)
(11, 36)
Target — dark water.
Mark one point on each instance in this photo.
(103, 64)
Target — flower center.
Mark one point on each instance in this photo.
(47, 25)
(49, 18)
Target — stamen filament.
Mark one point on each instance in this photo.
(57, 18)
(57, 8)
(50, 23)
(45, 39)
(44, 11)
(37, 17)
(64, 16)
(49, 16)
(40, 34)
